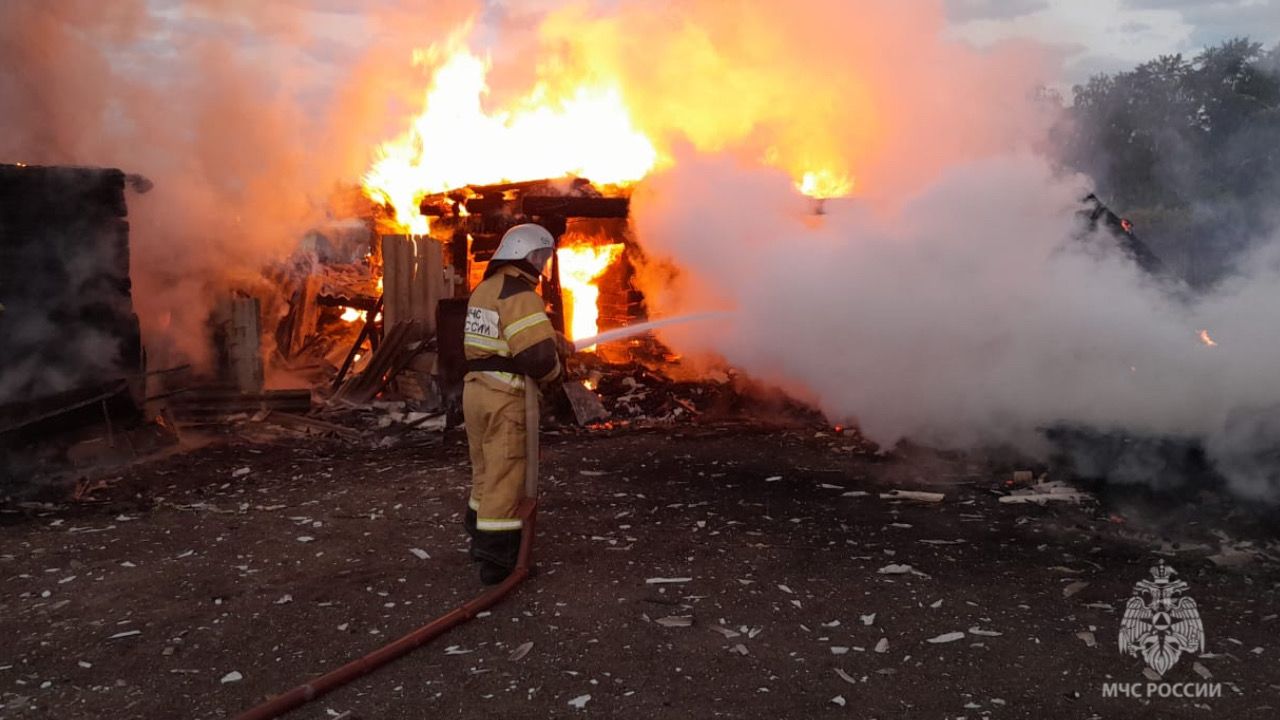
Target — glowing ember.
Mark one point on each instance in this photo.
(580, 268)
(350, 315)
(585, 131)
(1204, 338)
(589, 384)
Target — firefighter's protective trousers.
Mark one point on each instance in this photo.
(508, 336)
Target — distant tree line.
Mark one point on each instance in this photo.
(1188, 149)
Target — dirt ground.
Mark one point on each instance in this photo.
(200, 584)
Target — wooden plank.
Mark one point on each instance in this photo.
(304, 313)
(355, 347)
(429, 280)
(410, 345)
(587, 407)
(413, 280)
(237, 318)
(396, 277)
(381, 368)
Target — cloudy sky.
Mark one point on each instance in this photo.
(1091, 36)
(1108, 35)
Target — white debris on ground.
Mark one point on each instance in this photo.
(914, 495)
(520, 651)
(837, 625)
(1048, 491)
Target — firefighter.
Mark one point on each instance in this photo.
(508, 337)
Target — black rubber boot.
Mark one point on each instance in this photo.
(492, 573)
(497, 552)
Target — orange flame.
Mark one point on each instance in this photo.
(580, 269)
(586, 131)
(578, 119)
(350, 314)
(825, 184)
(1208, 341)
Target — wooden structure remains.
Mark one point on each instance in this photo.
(238, 340)
(72, 362)
(413, 280)
(401, 343)
(66, 300)
(470, 221)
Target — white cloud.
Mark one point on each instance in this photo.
(1091, 33)
(1217, 21)
(1110, 35)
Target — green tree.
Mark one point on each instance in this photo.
(1192, 147)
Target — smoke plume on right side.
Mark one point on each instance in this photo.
(981, 312)
(965, 302)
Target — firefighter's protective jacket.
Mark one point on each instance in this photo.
(508, 334)
(507, 337)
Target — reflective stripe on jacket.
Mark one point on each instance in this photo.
(507, 319)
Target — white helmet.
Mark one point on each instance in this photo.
(521, 240)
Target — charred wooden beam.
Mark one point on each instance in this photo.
(359, 302)
(215, 402)
(554, 291)
(483, 245)
(66, 411)
(1096, 213)
(493, 196)
(355, 348)
(574, 185)
(568, 206)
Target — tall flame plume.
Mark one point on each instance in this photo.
(577, 119)
(454, 142)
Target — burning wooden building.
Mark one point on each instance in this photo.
(401, 303)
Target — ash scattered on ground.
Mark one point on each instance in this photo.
(717, 569)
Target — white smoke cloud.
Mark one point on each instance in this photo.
(975, 312)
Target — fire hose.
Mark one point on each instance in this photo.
(527, 512)
(628, 331)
